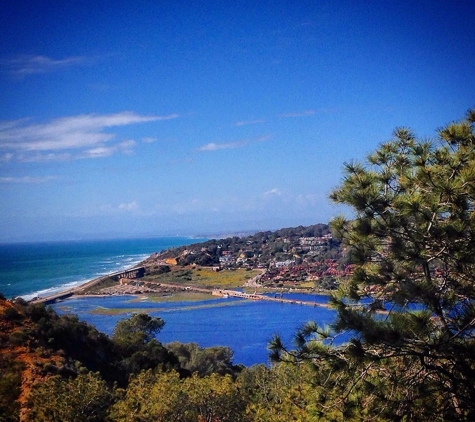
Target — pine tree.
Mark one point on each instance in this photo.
(410, 305)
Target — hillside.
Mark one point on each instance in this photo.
(306, 257)
(26, 358)
(40, 351)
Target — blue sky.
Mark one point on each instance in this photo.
(137, 118)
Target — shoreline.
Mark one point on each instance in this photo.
(106, 256)
(67, 293)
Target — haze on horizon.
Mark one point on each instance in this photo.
(164, 118)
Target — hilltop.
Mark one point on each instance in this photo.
(306, 257)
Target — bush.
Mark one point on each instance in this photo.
(11, 314)
(84, 398)
(10, 382)
(18, 338)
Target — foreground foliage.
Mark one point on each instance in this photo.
(84, 398)
(163, 397)
(61, 369)
(412, 238)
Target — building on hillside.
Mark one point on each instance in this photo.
(282, 264)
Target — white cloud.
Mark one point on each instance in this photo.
(85, 133)
(149, 140)
(299, 114)
(98, 152)
(212, 146)
(125, 147)
(273, 192)
(6, 157)
(30, 64)
(123, 207)
(27, 179)
(7, 124)
(38, 157)
(248, 122)
(131, 206)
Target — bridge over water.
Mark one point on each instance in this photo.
(254, 296)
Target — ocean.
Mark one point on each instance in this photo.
(41, 269)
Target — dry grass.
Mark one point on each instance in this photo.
(223, 279)
(205, 277)
(186, 296)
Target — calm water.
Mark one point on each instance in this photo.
(245, 326)
(39, 269)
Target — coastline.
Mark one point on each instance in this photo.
(79, 291)
(67, 293)
(156, 289)
(44, 269)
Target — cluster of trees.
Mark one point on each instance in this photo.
(266, 246)
(78, 372)
(257, 394)
(83, 375)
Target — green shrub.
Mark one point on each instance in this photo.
(18, 338)
(11, 314)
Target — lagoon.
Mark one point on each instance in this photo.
(244, 326)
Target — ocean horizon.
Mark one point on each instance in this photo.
(30, 269)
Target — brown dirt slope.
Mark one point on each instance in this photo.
(24, 361)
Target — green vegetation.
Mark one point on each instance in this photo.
(133, 377)
(136, 331)
(118, 311)
(163, 397)
(212, 360)
(186, 296)
(208, 278)
(190, 306)
(412, 241)
(84, 398)
(10, 386)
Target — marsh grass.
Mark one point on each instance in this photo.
(175, 297)
(117, 311)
